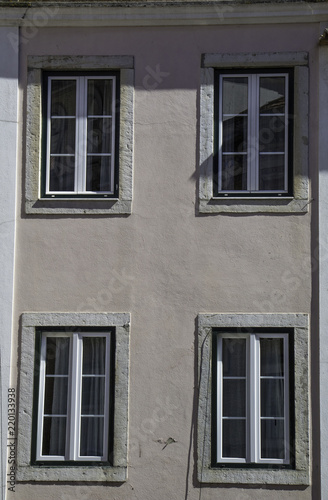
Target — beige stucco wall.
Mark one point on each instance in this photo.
(164, 263)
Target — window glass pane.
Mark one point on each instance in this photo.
(93, 387)
(234, 439)
(54, 436)
(62, 136)
(272, 172)
(94, 355)
(272, 357)
(100, 97)
(234, 172)
(234, 397)
(99, 173)
(93, 395)
(99, 135)
(235, 95)
(55, 402)
(234, 357)
(234, 136)
(92, 436)
(62, 171)
(57, 355)
(63, 97)
(272, 397)
(272, 134)
(272, 94)
(272, 439)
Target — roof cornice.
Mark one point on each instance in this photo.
(48, 14)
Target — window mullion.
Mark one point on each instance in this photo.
(286, 130)
(253, 148)
(80, 136)
(114, 104)
(220, 132)
(219, 398)
(84, 133)
(253, 387)
(250, 135)
(257, 132)
(107, 393)
(75, 397)
(48, 135)
(286, 398)
(41, 397)
(69, 403)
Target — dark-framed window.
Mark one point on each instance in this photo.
(253, 133)
(80, 134)
(251, 400)
(74, 396)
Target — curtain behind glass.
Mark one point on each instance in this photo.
(100, 125)
(234, 398)
(62, 135)
(93, 396)
(272, 398)
(56, 393)
(234, 133)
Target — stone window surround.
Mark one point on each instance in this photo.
(209, 204)
(33, 202)
(243, 475)
(104, 473)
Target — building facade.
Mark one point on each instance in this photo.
(164, 256)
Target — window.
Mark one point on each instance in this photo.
(254, 133)
(82, 116)
(79, 135)
(74, 396)
(253, 408)
(76, 429)
(252, 398)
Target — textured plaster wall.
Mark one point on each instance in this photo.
(164, 263)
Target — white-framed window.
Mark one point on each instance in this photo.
(74, 397)
(79, 135)
(254, 133)
(254, 150)
(82, 126)
(252, 398)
